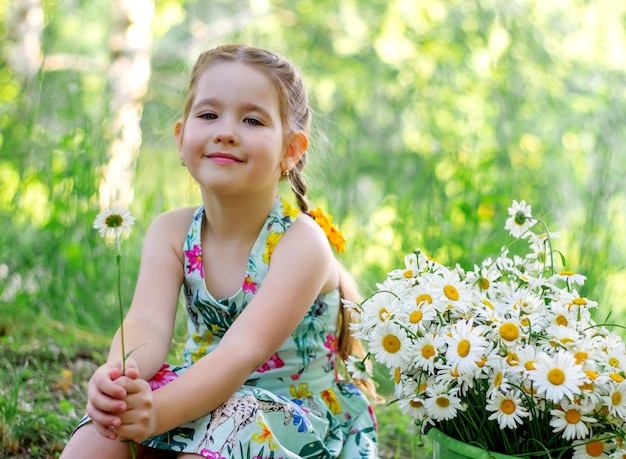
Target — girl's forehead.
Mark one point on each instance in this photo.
(227, 79)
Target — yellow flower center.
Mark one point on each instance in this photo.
(463, 347)
(616, 377)
(114, 221)
(567, 273)
(408, 274)
(507, 406)
(383, 314)
(484, 283)
(616, 398)
(416, 404)
(422, 388)
(580, 357)
(556, 376)
(451, 292)
(424, 297)
(428, 351)
(391, 343)
(443, 402)
(488, 304)
(396, 375)
(579, 301)
(572, 416)
(416, 317)
(481, 363)
(512, 359)
(509, 331)
(614, 362)
(525, 322)
(561, 320)
(498, 379)
(530, 365)
(595, 448)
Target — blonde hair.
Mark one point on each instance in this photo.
(296, 117)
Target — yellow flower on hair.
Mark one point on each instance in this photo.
(333, 233)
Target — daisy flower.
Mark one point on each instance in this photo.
(442, 403)
(466, 346)
(390, 344)
(114, 222)
(507, 409)
(450, 293)
(498, 379)
(570, 277)
(557, 376)
(521, 219)
(615, 400)
(358, 368)
(570, 419)
(594, 448)
(427, 350)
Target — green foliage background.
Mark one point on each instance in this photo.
(431, 117)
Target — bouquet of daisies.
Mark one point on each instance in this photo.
(505, 357)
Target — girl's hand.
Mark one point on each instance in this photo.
(105, 397)
(139, 418)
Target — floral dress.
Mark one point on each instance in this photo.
(292, 406)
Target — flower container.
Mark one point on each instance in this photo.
(446, 447)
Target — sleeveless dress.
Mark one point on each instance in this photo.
(293, 406)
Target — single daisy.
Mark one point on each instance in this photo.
(427, 351)
(507, 409)
(570, 419)
(390, 344)
(442, 403)
(557, 376)
(466, 346)
(595, 447)
(358, 368)
(521, 219)
(615, 400)
(451, 294)
(114, 222)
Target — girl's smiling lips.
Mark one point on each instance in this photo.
(223, 158)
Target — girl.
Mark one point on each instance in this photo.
(261, 287)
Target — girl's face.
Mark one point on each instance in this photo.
(232, 140)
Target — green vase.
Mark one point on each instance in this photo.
(446, 447)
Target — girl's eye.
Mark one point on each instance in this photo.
(253, 122)
(208, 116)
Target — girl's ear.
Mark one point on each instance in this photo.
(296, 147)
(178, 132)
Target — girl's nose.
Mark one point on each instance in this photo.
(225, 134)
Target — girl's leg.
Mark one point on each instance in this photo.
(87, 442)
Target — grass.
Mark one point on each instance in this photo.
(44, 369)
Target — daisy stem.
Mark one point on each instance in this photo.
(118, 259)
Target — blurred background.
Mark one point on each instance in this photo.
(431, 116)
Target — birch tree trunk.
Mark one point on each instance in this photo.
(26, 23)
(130, 46)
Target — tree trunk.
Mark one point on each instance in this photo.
(129, 73)
(26, 22)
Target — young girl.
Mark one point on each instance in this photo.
(262, 291)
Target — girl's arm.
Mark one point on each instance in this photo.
(149, 323)
(302, 267)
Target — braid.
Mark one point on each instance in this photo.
(298, 185)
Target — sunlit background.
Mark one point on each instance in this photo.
(430, 118)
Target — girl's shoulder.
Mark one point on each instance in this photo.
(171, 226)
